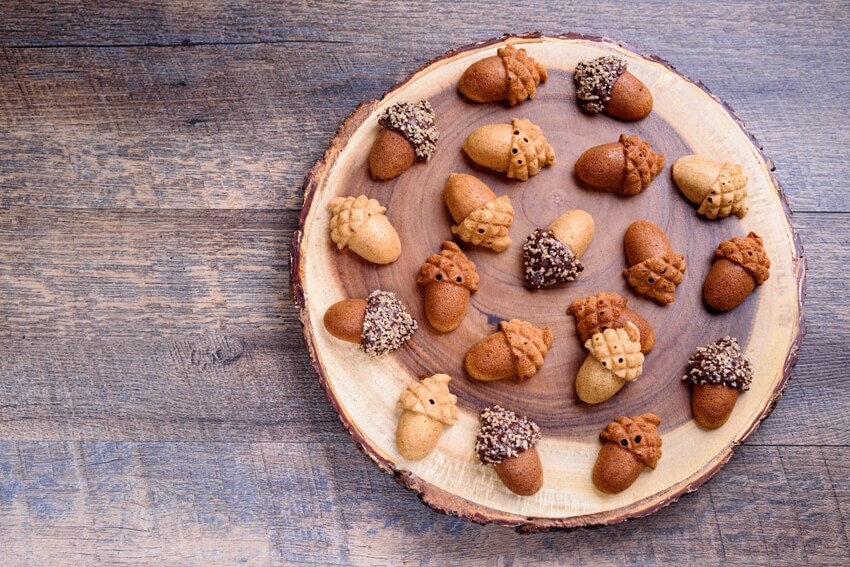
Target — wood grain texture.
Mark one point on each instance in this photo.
(127, 135)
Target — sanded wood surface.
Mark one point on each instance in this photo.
(157, 405)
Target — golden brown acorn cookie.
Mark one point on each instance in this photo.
(629, 446)
(427, 407)
(507, 441)
(718, 372)
(448, 279)
(608, 310)
(655, 269)
(407, 134)
(604, 85)
(627, 166)
(379, 323)
(551, 255)
(720, 189)
(482, 218)
(360, 224)
(740, 265)
(510, 75)
(518, 149)
(615, 358)
(516, 350)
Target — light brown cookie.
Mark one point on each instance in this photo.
(614, 359)
(482, 218)
(655, 269)
(627, 166)
(720, 189)
(518, 149)
(427, 407)
(360, 224)
(608, 310)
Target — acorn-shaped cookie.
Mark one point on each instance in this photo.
(516, 350)
(740, 264)
(360, 224)
(629, 445)
(720, 189)
(627, 166)
(379, 323)
(608, 310)
(655, 269)
(427, 407)
(508, 441)
(407, 134)
(510, 75)
(604, 85)
(718, 372)
(551, 255)
(482, 218)
(448, 278)
(614, 359)
(519, 149)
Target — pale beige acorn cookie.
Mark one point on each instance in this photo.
(507, 441)
(655, 269)
(551, 256)
(447, 279)
(604, 85)
(407, 134)
(719, 371)
(720, 189)
(614, 358)
(518, 149)
(740, 265)
(627, 166)
(360, 223)
(608, 310)
(427, 407)
(482, 218)
(511, 75)
(379, 324)
(629, 446)
(516, 350)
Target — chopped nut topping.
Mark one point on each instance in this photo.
(548, 261)
(416, 123)
(721, 362)
(387, 324)
(595, 81)
(504, 434)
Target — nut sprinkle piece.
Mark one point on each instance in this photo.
(721, 362)
(595, 80)
(416, 123)
(504, 434)
(387, 324)
(548, 261)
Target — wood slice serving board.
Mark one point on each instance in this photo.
(686, 119)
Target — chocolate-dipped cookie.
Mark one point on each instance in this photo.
(551, 255)
(605, 85)
(719, 371)
(507, 441)
(407, 134)
(379, 324)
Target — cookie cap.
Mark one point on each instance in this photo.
(657, 277)
(529, 345)
(530, 152)
(430, 396)
(387, 324)
(595, 80)
(416, 123)
(748, 253)
(728, 194)
(451, 266)
(638, 435)
(618, 350)
(488, 225)
(596, 313)
(524, 73)
(548, 261)
(722, 363)
(504, 434)
(642, 164)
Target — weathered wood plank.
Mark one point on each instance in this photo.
(109, 503)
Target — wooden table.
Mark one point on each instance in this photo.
(157, 405)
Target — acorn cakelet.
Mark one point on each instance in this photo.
(720, 189)
(511, 75)
(627, 166)
(655, 269)
(614, 359)
(407, 134)
(551, 256)
(629, 446)
(608, 310)
(516, 350)
(507, 441)
(448, 279)
(360, 224)
(427, 407)
(482, 218)
(518, 149)
(379, 323)
(604, 85)
(718, 371)
(740, 265)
